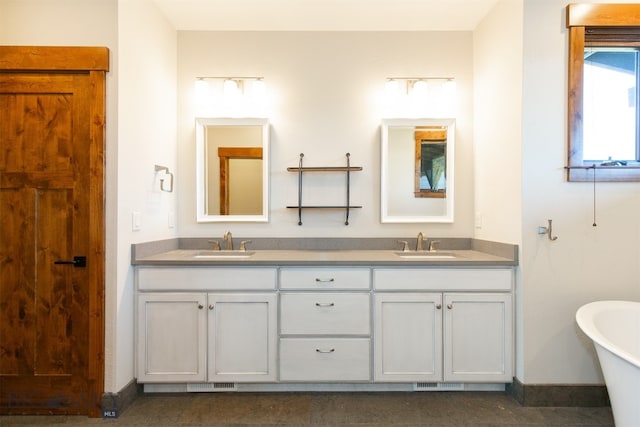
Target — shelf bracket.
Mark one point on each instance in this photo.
(346, 222)
(300, 189)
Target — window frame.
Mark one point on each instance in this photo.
(580, 19)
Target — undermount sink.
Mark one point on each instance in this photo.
(426, 255)
(223, 254)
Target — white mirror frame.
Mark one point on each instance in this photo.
(201, 212)
(385, 217)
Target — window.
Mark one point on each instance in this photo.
(604, 113)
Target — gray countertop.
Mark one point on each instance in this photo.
(463, 253)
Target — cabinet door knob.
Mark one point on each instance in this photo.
(438, 306)
(200, 306)
(210, 306)
(449, 306)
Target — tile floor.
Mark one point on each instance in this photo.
(444, 409)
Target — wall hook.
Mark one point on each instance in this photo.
(548, 230)
(162, 186)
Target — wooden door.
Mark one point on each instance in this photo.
(52, 215)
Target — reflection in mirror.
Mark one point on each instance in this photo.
(232, 173)
(431, 150)
(417, 170)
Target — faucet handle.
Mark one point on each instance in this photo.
(405, 245)
(243, 244)
(215, 243)
(432, 245)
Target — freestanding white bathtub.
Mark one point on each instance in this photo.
(614, 327)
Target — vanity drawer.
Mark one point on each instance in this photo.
(324, 313)
(205, 278)
(323, 359)
(442, 279)
(325, 278)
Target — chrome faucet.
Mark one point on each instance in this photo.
(228, 240)
(420, 242)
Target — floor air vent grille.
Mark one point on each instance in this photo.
(209, 387)
(438, 387)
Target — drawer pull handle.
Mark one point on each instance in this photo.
(325, 304)
(324, 280)
(325, 351)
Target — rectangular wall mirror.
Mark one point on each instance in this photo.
(232, 170)
(417, 170)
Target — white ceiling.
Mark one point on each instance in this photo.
(325, 15)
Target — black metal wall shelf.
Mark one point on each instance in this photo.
(346, 169)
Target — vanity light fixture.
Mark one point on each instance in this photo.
(230, 96)
(420, 96)
(415, 84)
(232, 84)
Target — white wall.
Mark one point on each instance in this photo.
(147, 137)
(497, 114)
(497, 118)
(586, 263)
(325, 89)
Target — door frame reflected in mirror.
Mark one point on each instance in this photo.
(431, 154)
(399, 198)
(202, 213)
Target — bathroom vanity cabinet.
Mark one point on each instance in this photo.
(361, 325)
(325, 324)
(226, 332)
(437, 325)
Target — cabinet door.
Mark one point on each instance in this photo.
(408, 337)
(171, 337)
(242, 337)
(478, 343)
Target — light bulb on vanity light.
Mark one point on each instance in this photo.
(201, 95)
(419, 88)
(201, 87)
(258, 88)
(392, 87)
(230, 87)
